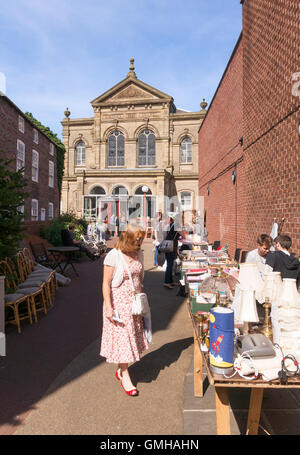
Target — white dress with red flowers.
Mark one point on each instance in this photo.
(124, 343)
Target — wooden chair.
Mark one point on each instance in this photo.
(17, 305)
(35, 287)
(41, 255)
(35, 272)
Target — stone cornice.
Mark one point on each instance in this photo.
(185, 176)
(187, 115)
(78, 121)
(121, 173)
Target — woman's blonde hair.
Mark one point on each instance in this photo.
(126, 242)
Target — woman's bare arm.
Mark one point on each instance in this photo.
(108, 273)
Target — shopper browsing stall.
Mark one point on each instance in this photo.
(173, 235)
(258, 256)
(281, 259)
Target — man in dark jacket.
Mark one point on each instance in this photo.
(281, 260)
(174, 235)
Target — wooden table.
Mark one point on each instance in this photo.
(222, 386)
(60, 252)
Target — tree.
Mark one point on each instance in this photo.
(12, 196)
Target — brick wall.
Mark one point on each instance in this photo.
(270, 112)
(220, 152)
(255, 101)
(9, 114)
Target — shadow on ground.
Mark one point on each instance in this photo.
(43, 350)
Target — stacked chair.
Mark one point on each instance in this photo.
(30, 288)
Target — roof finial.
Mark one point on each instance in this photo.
(131, 69)
(203, 105)
(67, 113)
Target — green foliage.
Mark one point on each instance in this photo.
(52, 232)
(60, 148)
(12, 196)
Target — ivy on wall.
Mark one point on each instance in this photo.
(60, 148)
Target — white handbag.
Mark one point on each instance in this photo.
(140, 304)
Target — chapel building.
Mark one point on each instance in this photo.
(137, 155)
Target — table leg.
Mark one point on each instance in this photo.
(69, 262)
(57, 264)
(254, 410)
(222, 411)
(198, 376)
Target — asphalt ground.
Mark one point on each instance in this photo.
(53, 381)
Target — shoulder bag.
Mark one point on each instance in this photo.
(140, 305)
(166, 246)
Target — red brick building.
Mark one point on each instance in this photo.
(28, 147)
(252, 127)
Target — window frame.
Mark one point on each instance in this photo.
(119, 156)
(184, 206)
(34, 152)
(186, 153)
(147, 133)
(22, 122)
(82, 162)
(51, 176)
(43, 211)
(18, 156)
(35, 136)
(34, 217)
(52, 149)
(50, 212)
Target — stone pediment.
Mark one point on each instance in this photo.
(131, 90)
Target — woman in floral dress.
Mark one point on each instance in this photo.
(123, 340)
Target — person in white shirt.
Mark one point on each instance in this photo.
(258, 256)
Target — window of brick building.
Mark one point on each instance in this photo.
(21, 124)
(51, 149)
(20, 154)
(43, 214)
(80, 154)
(35, 166)
(51, 174)
(146, 148)
(186, 155)
(34, 210)
(50, 211)
(116, 148)
(35, 136)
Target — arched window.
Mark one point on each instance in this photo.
(115, 145)
(186, 155)
(139, 190)
(119, 191)
(146, 148)
(97, 190)
(80, 154)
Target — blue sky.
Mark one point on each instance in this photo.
(63, 53)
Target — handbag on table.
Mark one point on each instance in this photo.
(140, 305)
